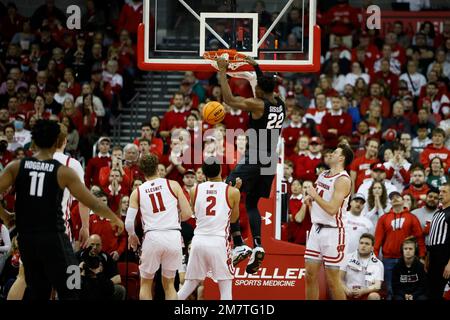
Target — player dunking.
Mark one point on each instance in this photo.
(267, 113)
(326, 240)
(215, 203)
(158, 199)
(39, 182)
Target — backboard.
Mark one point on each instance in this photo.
(281, 35)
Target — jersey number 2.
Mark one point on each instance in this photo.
(37, 187)
(275, 121)
(212, 203)
(157, 207)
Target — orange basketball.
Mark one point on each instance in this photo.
(213, 112)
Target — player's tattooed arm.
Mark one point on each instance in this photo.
(248, 105)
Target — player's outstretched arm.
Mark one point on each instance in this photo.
(342, 189)
(133, 207)
(249, 105)
(7, 179)
(67, 178)
(185, 207)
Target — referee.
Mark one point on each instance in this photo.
(438, 257)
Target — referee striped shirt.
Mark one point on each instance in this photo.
(439, 228)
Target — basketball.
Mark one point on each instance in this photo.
(213, 112)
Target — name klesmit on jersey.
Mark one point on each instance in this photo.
(150, 190)
(39, 166)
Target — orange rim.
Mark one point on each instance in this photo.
(234, 56)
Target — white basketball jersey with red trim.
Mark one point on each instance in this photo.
(159, 206)
(325, 188)
(212, 209)
(67, 199)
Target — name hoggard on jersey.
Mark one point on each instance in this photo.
(39, 166)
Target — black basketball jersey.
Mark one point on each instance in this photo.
(267, 127)
(38, 197)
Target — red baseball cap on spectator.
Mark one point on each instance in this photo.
(378, 167)
(390, 135)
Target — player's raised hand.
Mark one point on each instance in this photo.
(133, 242)
(311, 191)
(308, 200)
(222, 64)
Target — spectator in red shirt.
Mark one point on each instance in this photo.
(392, 228)
(130, 17)
(116, 164)
(38, 110)
(418, 188)
(174, 162)
(437, 148)
(375, 94)
(114, 245)
(236, 119)
(398, 52)
(343, 21)
(156, 144)
(131, 167)
(305, 164)
(298, 126)
(318, 112)
(336, 123)
(103, 159)
(360, 167)
(299, 215)
(386, 78)
(175, 118)
(440, 102)
(371, 51)
(114, 189)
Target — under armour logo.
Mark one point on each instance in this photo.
(266, 218)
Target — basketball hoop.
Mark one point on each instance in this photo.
(234, 58)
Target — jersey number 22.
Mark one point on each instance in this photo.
(275, 120)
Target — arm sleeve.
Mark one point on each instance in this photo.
(129, 220)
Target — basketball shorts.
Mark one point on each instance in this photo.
(326, 244)
(160, 248)
(46, 258)
(209, 256)
(254, 182)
